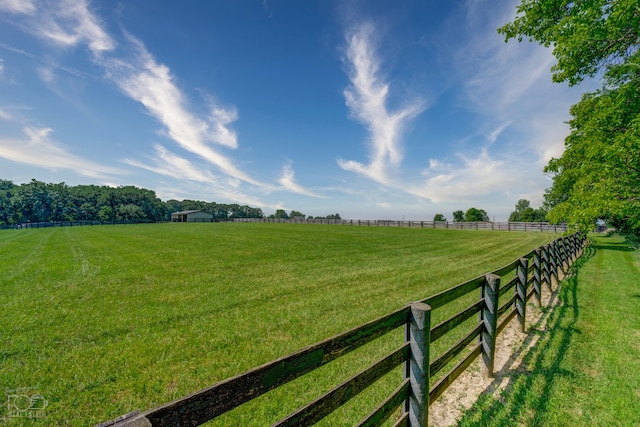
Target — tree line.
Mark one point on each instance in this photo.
(523, 213)
(598, 175)
(37, 201)
(281, 213)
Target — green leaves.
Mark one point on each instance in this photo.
(598, 175)
(587, 36)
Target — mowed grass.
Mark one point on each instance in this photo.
(104, 320)
(585, 370)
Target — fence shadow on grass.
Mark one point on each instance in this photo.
(525, 397)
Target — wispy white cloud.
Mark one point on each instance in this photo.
(288, 182)
(181, 189)
(467, 180)
(190, 180)
(69, 23)
(521, 112)
(4, 115)
(38, 149)
(139, 76)
(152, 84)
(174, 166)
(18, 6)
(367, 98)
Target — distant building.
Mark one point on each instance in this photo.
(191, 216)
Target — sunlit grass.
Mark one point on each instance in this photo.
(585, 368)
(104, 320)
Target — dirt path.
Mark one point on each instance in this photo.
(511, 348)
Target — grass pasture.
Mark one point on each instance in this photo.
(584, 371)
(104, 320)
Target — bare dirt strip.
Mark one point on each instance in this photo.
(511, 348)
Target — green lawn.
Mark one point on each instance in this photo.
(585, 371)
(104, 320)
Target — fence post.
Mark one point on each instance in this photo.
(521, 291)
(417, 369)
(546, 269)
(563, 255)
(489, 313)
(570, 248)
(537, 275)
(553, 255)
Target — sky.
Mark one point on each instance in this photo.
(370, 109)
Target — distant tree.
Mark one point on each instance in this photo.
(439, 217)
(37, 201)
(475, 215)
(525, 213)
(295, 214)
(130, 212)
(280, 213)
(334, 216)
(458, 216)
(6, 210)
(106, 213)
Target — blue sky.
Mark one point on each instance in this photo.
(370, 109)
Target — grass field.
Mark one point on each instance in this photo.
(585, 370)
(104, 320)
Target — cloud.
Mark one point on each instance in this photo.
(152, 84)
(174, 166)
(69, 23)
(287, 180)
(468, 179)
(139, 76)
(366, 98)
(39, 150)
(18, 6)
(519, 111)
(4, 115)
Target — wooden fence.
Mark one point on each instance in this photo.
(488, 225)
(496, 226)
(500, 296)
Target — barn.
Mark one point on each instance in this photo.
(191, 216)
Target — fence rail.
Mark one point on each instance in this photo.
(488, 225)
(82, 223)
(496, 226)
(499, 302)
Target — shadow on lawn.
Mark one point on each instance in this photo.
(525, 397)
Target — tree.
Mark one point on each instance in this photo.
(439, 217)
(458, 216)
(37, 201)
(525, 213)
(280, 213)
(587, 36)
(130, 212)
(295, 214)
(598, 175)
(475, 215)
(6, 210)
